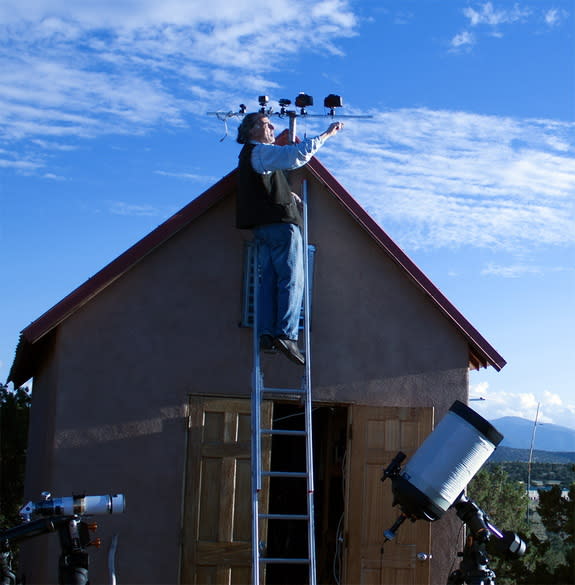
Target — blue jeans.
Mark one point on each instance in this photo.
(280, 260)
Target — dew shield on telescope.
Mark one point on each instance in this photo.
(445, 463)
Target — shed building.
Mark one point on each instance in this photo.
(142, 380)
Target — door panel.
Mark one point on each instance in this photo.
(376, 435)
(216, 540)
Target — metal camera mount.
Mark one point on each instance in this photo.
(302, 101)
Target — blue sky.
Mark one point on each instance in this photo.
(468, 162)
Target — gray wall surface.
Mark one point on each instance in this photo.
(109, 406)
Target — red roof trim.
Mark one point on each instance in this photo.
(481, 352)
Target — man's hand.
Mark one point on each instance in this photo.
(296, 197)
(333, 129)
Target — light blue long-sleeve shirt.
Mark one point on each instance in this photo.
(270, 157)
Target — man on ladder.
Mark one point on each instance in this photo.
(266, 204)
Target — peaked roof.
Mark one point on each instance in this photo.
(33, 339)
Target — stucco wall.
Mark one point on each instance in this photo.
(125, 363)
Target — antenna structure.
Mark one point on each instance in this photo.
(302, 101)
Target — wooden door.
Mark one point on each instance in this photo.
(216, 540)
(376, 435)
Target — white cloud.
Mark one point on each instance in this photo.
(129, 14)
(463, 39)
(511, 271)
(552, 399)
(487, 14)
(25, 166)
(228, 34)
(188, 176)
(90, 68)
(555, 16)
(447, 179)
(50, 145)
(433, 178)
(487, 19)
(495, 404)
(131, 209)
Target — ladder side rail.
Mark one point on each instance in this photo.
(256, 423)
(308, 401)
(257, 381)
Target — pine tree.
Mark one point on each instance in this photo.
(549, 560)
(505, 502)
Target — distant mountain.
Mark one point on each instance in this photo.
(517, 433)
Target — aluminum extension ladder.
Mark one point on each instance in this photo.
(259, 558)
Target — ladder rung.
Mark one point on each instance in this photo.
(279, 560)
(283, 432)
(284, 390)
(284, 516)
(295, 398)
(285, 473)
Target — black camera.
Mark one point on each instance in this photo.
(303, 100)
(333, 101)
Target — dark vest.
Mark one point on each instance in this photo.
(263, 199)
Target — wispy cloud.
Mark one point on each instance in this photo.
(24, 166)
(188, 176)
(131, 209)
(449, 179)
(511, 271)
(462, 40)
(522, 269)
(83, 70)
(485, 18)
(555, 17)
(487, 14)
(122, 66)
(53, 177)
(433, 178)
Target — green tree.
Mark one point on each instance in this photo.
(554, 512)
(550, 559)
(556, 560)
(14, 417)
(505, 502)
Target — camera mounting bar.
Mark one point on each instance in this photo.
(302, 101)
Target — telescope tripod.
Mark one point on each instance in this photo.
(74, 539)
